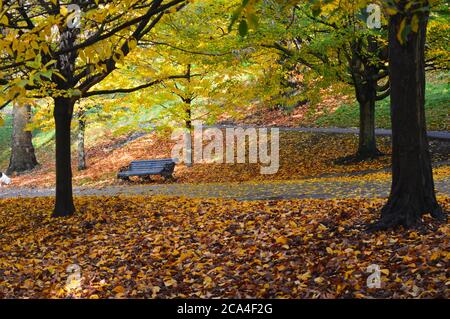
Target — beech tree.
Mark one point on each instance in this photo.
(81, 118)
(336, 44)
(217, 77)
(412, 192)
(323, 43)
(62, 50)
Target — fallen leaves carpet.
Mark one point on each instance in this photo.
(165, 247)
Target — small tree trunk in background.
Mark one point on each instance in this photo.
(188, 121)
(23, 157)
(412, 192)
(367, 139)
(188, 124)
(63, 112)
(366, 94)
(81, 140)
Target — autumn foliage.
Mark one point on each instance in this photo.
(174, 247)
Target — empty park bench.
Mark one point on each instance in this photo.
(163, 167)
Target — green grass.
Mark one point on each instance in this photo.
(436, 109)
(5, 138)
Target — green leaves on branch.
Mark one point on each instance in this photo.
(249, 19)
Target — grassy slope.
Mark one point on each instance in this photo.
(436, 108)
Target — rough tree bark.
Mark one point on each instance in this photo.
(363, 73)
(412, 192)
(188, 125)
(81, 140)
(63, 112)
(188, 120)
(23, 157)
(366, 97)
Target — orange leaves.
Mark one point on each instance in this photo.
(281, 240)
(159, 247)
(119, 290)
(170, 282)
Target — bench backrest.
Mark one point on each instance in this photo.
(151, 164)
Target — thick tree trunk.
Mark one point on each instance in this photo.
(412, 193)
(63, 112)
(23, 157)
(81, 141)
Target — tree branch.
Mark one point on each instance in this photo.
(137, 88)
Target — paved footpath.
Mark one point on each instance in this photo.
(323, 188)
(436, 135)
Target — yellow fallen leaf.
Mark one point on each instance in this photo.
(119, 289)
(170, 282)
(281, 240)
(319, 280)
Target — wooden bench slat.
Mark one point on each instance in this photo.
(141, 168)
(149, 165)
(158, 162)
(162, 167)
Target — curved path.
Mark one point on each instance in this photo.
(437, 135)
(318, 188)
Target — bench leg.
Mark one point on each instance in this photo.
(168, 177)
(146, 178)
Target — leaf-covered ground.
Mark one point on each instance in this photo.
(301, 155)
(175, 247)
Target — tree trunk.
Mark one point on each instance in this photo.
(188, 124)
(412, 192)
(188, 120)
(81, 139)
(62, 113)
(23, 157)
(366, 96)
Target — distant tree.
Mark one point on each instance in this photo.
(336, 45)
(23, 157)
(81, 138)
(216, 78)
